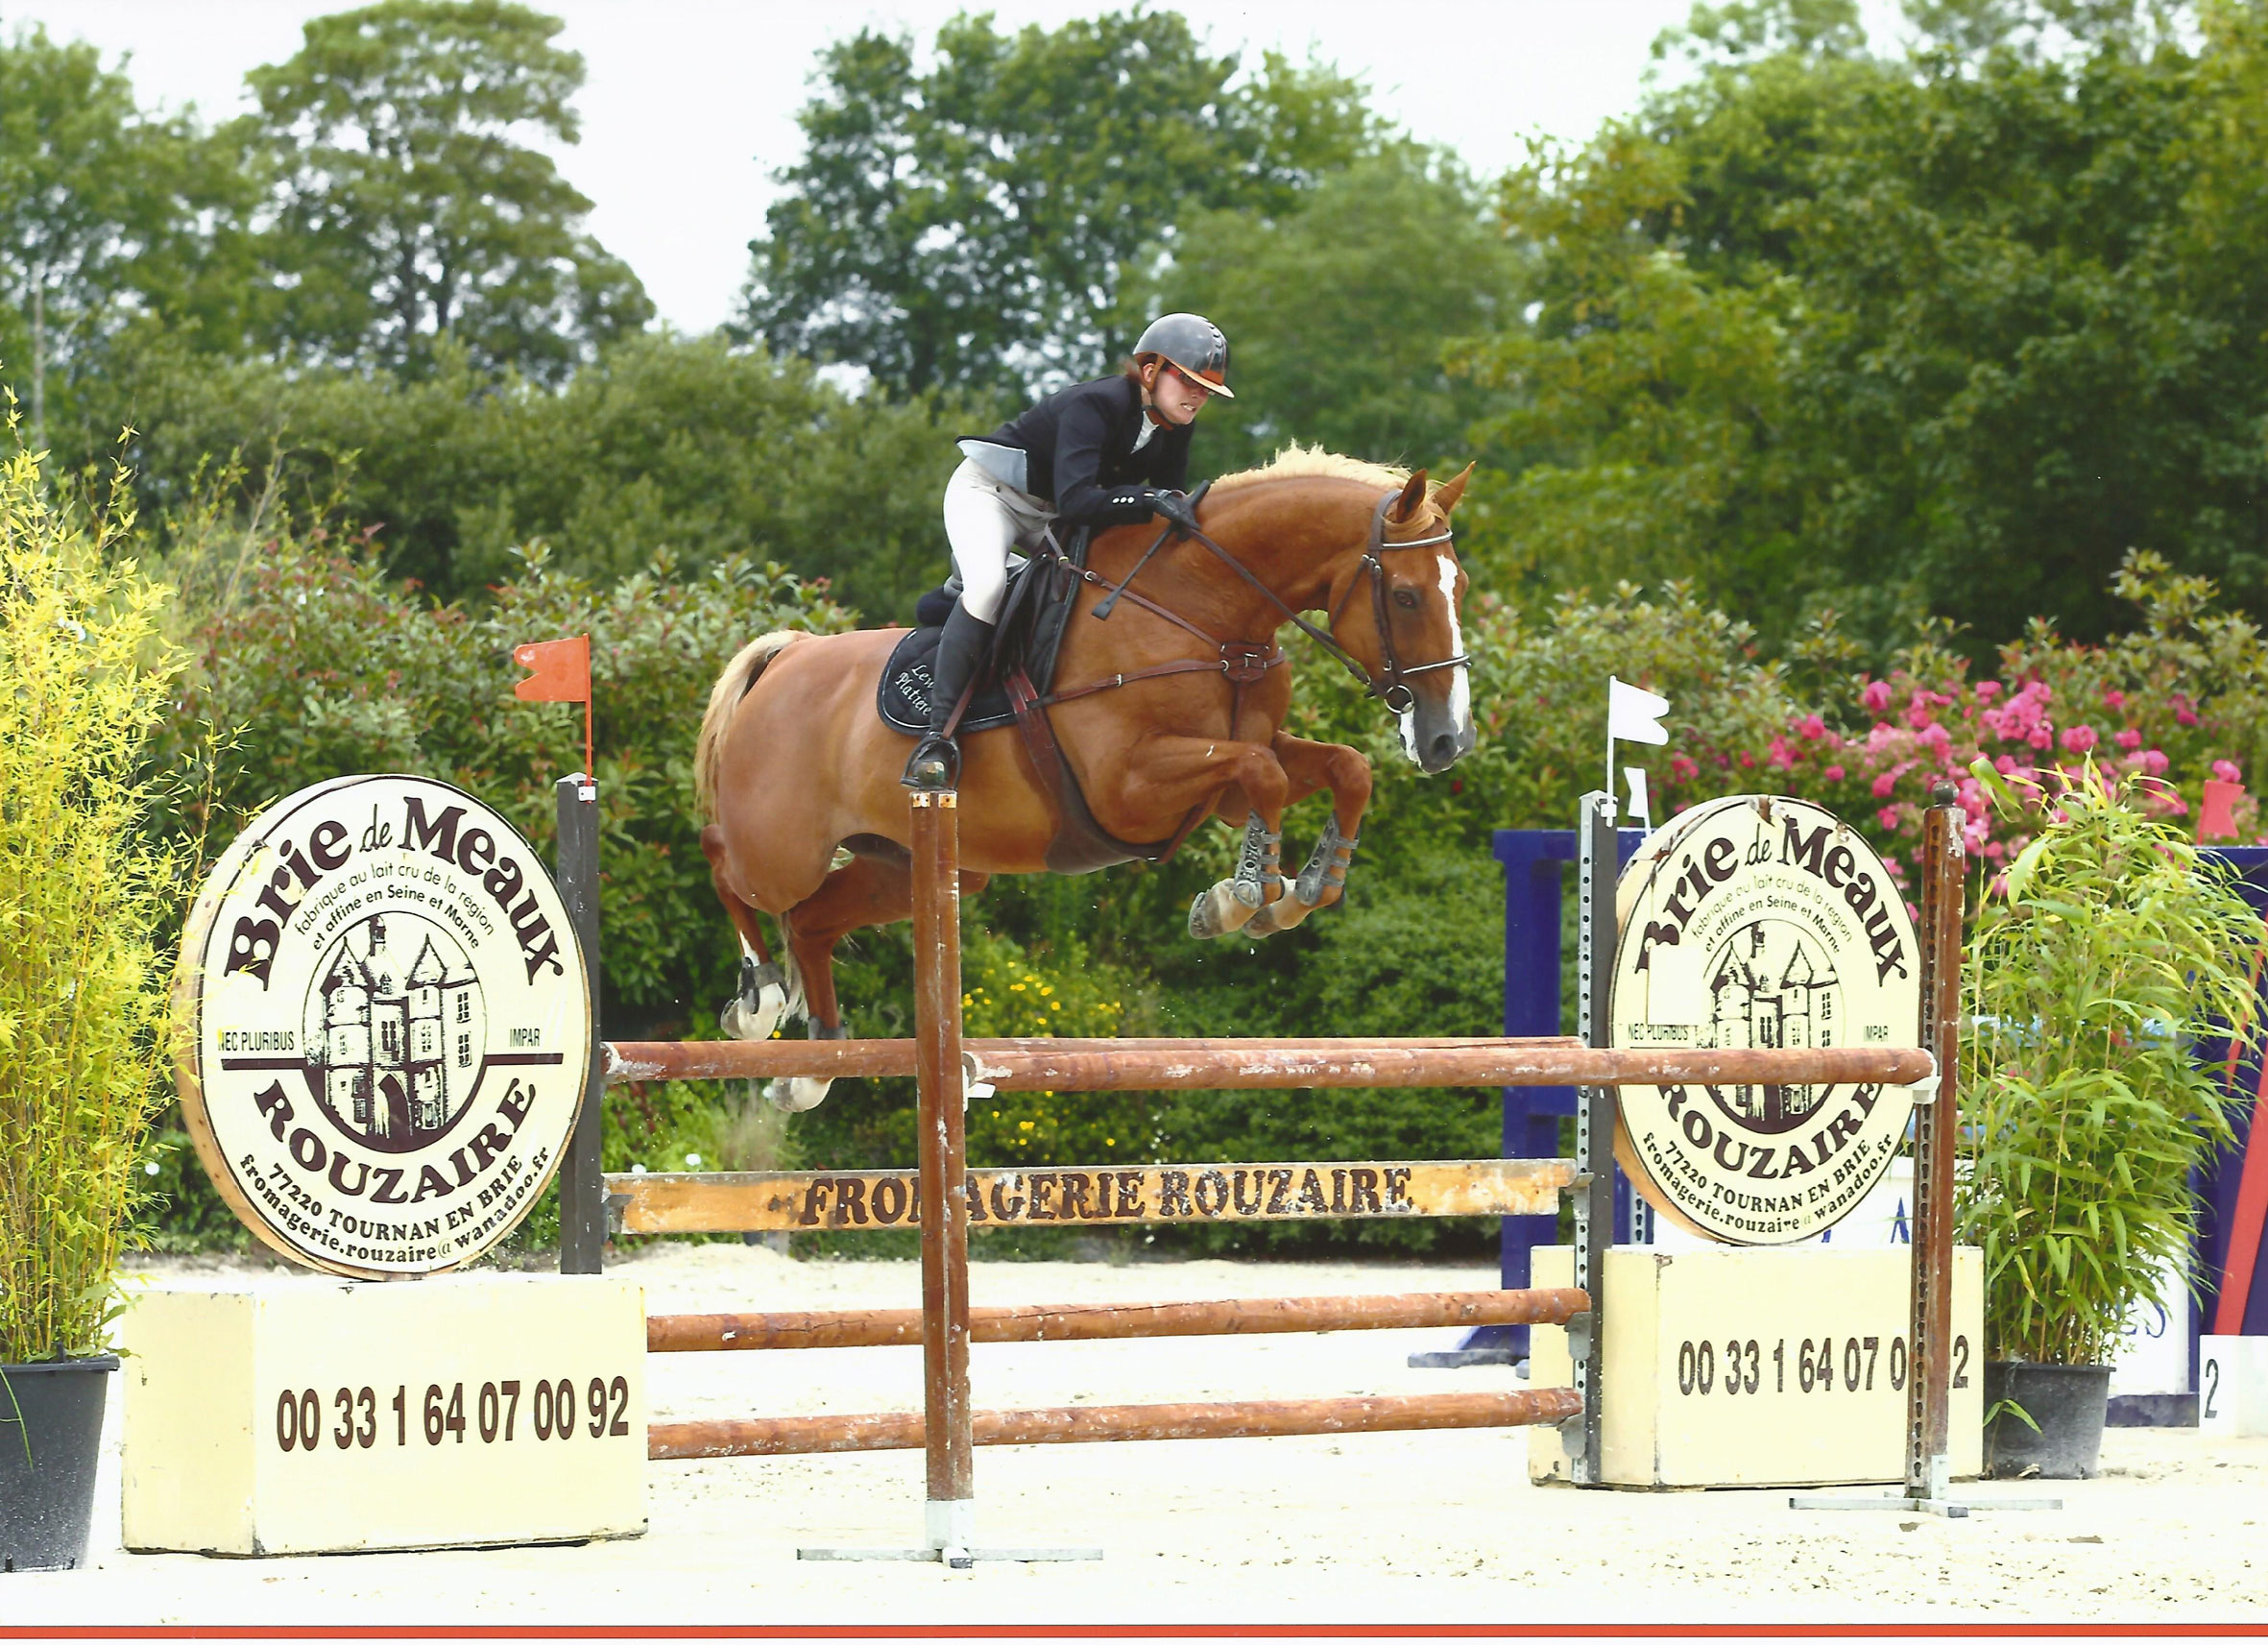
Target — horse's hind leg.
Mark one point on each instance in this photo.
(875, 891)
(766, 994)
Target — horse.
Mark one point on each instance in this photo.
(1168, 712)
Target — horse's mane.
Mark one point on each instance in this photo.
(1300, 462)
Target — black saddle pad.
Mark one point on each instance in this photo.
(1033, 615)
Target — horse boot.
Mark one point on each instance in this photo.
(961, 650)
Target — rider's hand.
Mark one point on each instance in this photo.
(1174, 506)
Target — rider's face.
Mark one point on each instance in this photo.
(1178, 399)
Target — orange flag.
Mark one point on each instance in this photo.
(561, 670)
(2215, 817)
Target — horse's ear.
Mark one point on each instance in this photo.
(1445, 497)
(1413, 494)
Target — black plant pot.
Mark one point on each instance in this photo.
(51, 1437)
(2068, 1402)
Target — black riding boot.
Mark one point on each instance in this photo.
(961, 651)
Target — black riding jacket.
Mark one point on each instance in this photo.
(1078, 447)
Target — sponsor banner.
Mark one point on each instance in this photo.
(1761, 922)
(383, 1027)
(714, 1202)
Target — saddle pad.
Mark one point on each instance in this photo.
(904, 697)
(1033, 615)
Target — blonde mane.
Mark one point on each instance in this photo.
(1302, 462)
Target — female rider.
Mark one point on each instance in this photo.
(1108, 453)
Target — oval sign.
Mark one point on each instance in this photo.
(1761, 921)
(383, 1026)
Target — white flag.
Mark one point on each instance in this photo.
(1633, 715)
(1639, 809)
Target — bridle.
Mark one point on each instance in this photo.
(1236, 659)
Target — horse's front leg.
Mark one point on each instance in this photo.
(1166, 776)
(1311, 767)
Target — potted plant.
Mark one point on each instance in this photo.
(2109, 946)
(86, 887)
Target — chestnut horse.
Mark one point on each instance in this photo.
(801, 775)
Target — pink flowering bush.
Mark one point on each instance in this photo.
(2180, 698)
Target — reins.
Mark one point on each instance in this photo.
(1243, 661)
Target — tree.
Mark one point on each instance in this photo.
(974, 224)
(1340, 311)
(406, 207)
(91, 204)
(1941, 336)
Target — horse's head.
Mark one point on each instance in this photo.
(1397, 613)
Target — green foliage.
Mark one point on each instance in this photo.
(688, 446)
(97, 208)
(972, 224)
(1946, 335)
(2108, 948)
(408, 207)
(1340, 308)
(84, 892)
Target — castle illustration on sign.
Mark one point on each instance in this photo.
(396, 1032)
(1765, 990)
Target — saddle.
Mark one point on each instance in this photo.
(1013, 691)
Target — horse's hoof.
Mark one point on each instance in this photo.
(760, 1006)
(1219, 911)
(797, 1096)
(1284, 914)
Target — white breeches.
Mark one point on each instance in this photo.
(986, 519)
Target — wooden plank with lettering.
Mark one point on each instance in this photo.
(718, 1203)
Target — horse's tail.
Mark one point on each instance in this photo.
(739, 676)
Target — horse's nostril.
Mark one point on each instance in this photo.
(1445, 746)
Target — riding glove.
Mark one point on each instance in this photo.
(1175, 507)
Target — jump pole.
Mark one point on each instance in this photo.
(948, 1426)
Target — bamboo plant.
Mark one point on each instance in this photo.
(86, 885)
(2110, 947)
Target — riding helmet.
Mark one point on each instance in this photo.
(1192, 343)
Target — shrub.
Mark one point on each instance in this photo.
(86, 890)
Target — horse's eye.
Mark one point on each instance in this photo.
(1405, 599)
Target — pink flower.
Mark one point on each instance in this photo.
(1888, 817)
(1937, 739)
(1988, 689)
(1683, 769)
(2006, 765)
(1833, 773)
(2129, 739)
(1883, 785)
(1811, 728)
(2184, 713)
(2080, 739)
(1780, 757)
(1876, 696)
(2113, 700)
(2225, 770)
(1747, 763)
(2154, 762)
(2042, 737)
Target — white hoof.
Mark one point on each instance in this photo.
(1280, 915)
(796, 1096)
(1221, 910)
(740, 1021)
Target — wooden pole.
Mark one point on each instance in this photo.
(943, 1187)
(1076, 1322)
(1080, 1424)
(1937, 1130)
(1245, 1065)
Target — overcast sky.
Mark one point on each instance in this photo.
(691, 104)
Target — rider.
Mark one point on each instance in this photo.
(1113, 451)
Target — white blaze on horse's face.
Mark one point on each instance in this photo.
(1436, 736)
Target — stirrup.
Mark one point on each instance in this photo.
(935, 762)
